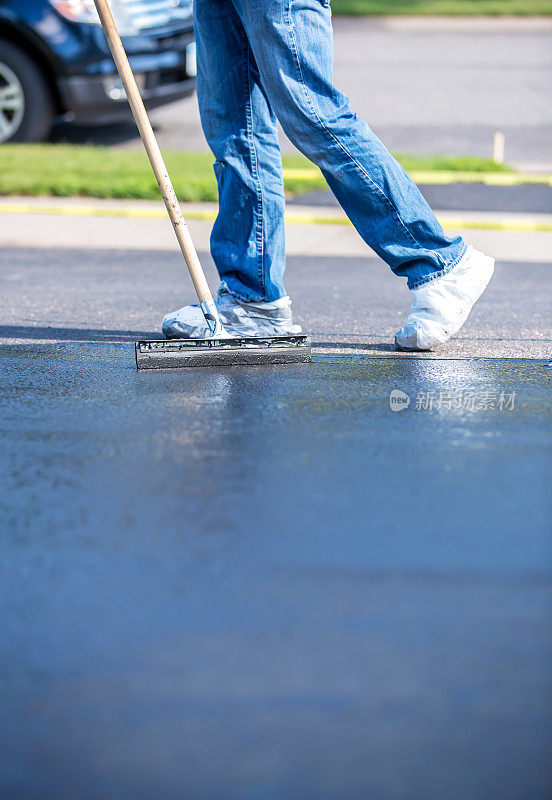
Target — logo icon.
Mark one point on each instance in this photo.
(398, 400)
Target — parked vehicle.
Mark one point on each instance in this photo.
(54, 61)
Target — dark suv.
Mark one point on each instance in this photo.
(54, 61)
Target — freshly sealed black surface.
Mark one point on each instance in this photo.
(264, 583)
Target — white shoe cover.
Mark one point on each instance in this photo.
(238, 318)
(440, 308)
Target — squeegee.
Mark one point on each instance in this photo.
(219, 349)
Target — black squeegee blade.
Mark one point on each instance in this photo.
(180, 353)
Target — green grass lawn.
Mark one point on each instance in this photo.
(443, 7)
(86, 171)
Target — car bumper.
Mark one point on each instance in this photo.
(99, 98)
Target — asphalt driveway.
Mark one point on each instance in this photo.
(260, 583)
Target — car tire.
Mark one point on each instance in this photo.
(26, 104)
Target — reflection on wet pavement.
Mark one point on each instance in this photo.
(264, 583)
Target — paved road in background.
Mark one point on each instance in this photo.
(349, 303)
(424, 85)
(525, 198)
(123, 273)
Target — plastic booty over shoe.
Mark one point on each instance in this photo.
(238, 318)
(440, 307)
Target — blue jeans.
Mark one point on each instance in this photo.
(263, 60)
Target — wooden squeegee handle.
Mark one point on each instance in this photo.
(155, 157)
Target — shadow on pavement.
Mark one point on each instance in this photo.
(386, 347)
(35, 333)
(74, 334)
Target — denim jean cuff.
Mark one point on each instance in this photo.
(439, 273)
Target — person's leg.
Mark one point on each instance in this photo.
(293, 47)
(247, 241)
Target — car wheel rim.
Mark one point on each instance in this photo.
(12, 102)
